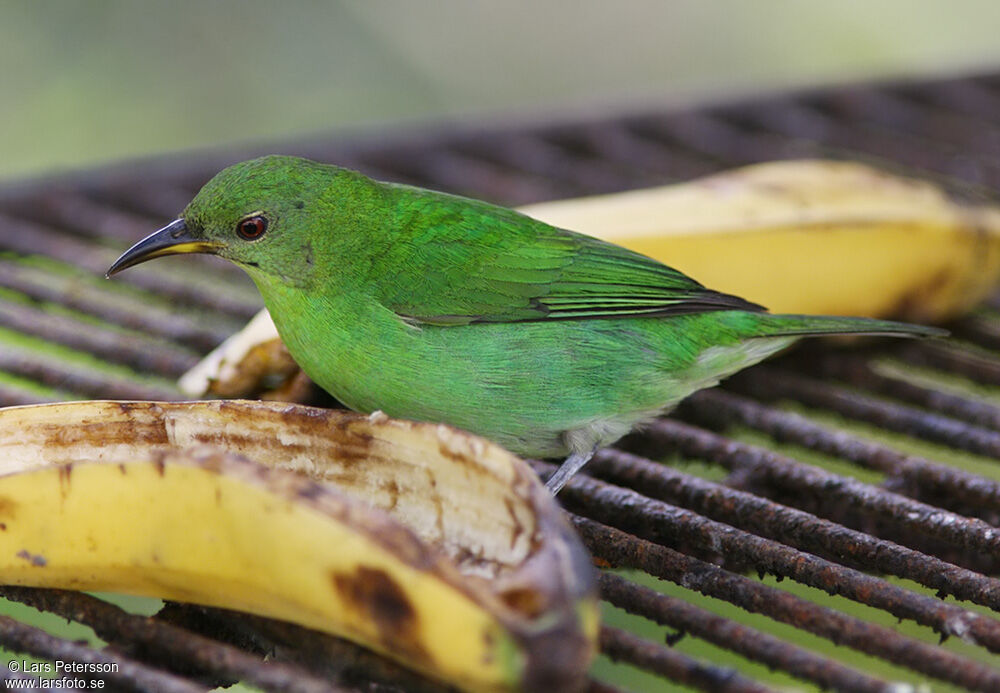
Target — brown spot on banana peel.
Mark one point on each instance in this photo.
(313, 490)
(8, 508)
(983, 260)
(347, 434)
(912, 305)
(373, 594)
(393, 489)
(65, 474)
(35, 559)
(518, 530)
(84, 435)
(524, 600)
(446, 451)
(438, 503)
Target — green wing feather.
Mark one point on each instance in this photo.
(457, 261)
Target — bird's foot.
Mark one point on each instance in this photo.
(567, 469)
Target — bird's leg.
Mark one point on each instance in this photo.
(570, 466)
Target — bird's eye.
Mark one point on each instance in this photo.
(251, 228)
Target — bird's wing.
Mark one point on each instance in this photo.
(455, 262)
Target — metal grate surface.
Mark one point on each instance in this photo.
(889, 548)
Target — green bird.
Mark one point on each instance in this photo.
(441, 308)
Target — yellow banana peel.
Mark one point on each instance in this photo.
(800, 236)
(427, 544)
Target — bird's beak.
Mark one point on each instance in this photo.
(172, 239)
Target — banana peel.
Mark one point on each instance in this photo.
(251, 361)
(429, 545)
(799, 236)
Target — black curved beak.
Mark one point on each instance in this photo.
(172, 239)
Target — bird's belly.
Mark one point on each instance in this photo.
(536, 388)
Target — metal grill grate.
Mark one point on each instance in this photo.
(776, 474)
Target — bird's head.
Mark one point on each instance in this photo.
(260, 214)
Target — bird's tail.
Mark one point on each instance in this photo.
(815, 325)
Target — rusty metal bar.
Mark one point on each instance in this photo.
(595, 686)
(54, 372)
(122, 672)
(166, 643)
(323, 655)
(770, 383)
(952, 135)
(896, 111)
(810, 533)
(618, 170)
(455, 171)
(550, 171)
(615, 141)
(196, 328)
(976, 366)
(720, 408)
(713, 138)
(622, 646)
(981, 330)
(132, 349)
(797, 118)
(749, 642)
(964, 95)
(68, 209)
(72, 212)
(11, 395)
(622, 550)
(197, 288)
(557, 172)
(657, 521)
(859, 372)
(800, 478)
(156, 199)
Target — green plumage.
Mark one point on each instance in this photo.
(435, 307)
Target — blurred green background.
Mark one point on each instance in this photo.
(86, 82)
